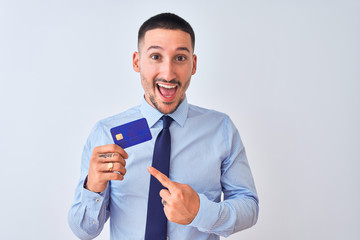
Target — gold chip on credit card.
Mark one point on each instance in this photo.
(119, 136)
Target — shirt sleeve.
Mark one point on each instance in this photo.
(89, 210)
(239, 210)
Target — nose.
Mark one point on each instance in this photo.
(168, 70)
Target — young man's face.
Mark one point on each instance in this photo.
(166, 63)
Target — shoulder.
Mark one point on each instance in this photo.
(123, 117)
(214, 123)
(210, 114)
(211, 119)
(118, 119)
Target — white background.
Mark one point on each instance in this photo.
(287, 73)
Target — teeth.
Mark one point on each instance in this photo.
(166, 86)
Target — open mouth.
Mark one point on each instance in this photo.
(167, 91)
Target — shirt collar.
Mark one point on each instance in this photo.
(152, 115)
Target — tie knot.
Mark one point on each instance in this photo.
(166, 121)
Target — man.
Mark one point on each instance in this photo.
(207, 157)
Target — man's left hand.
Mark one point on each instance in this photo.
(181, 202)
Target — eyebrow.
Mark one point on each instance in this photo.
(183, 49)
(161, 48)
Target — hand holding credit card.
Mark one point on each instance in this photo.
(132, 133)
(108, 161)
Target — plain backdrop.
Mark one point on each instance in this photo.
(286, 72)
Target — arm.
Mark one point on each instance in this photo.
(90, 209)
(89, 212)
(239, 210)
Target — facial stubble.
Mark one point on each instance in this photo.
(152, 98)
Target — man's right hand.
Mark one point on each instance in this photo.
(99, 171)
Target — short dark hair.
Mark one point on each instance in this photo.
(166, 21)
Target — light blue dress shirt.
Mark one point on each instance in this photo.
(206, 153)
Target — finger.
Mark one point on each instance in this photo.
(162, 178)
(108, 155)
(116, 166)
(113, 176)
(111, 157)
(165, 194)
(111, 148)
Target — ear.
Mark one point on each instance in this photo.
(194, 64)
(136, 59)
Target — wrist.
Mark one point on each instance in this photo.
(91, 188)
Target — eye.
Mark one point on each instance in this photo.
(180, 58)
(155, 56)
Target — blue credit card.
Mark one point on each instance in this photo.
(132, 133)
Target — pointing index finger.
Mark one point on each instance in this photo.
(162, 178)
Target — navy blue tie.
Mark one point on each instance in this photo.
(156, 222)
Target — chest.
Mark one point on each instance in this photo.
(195, 161)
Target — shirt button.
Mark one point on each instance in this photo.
(97, 200)
(94, 222)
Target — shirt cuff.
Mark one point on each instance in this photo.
(207, 215)
(93, 201)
